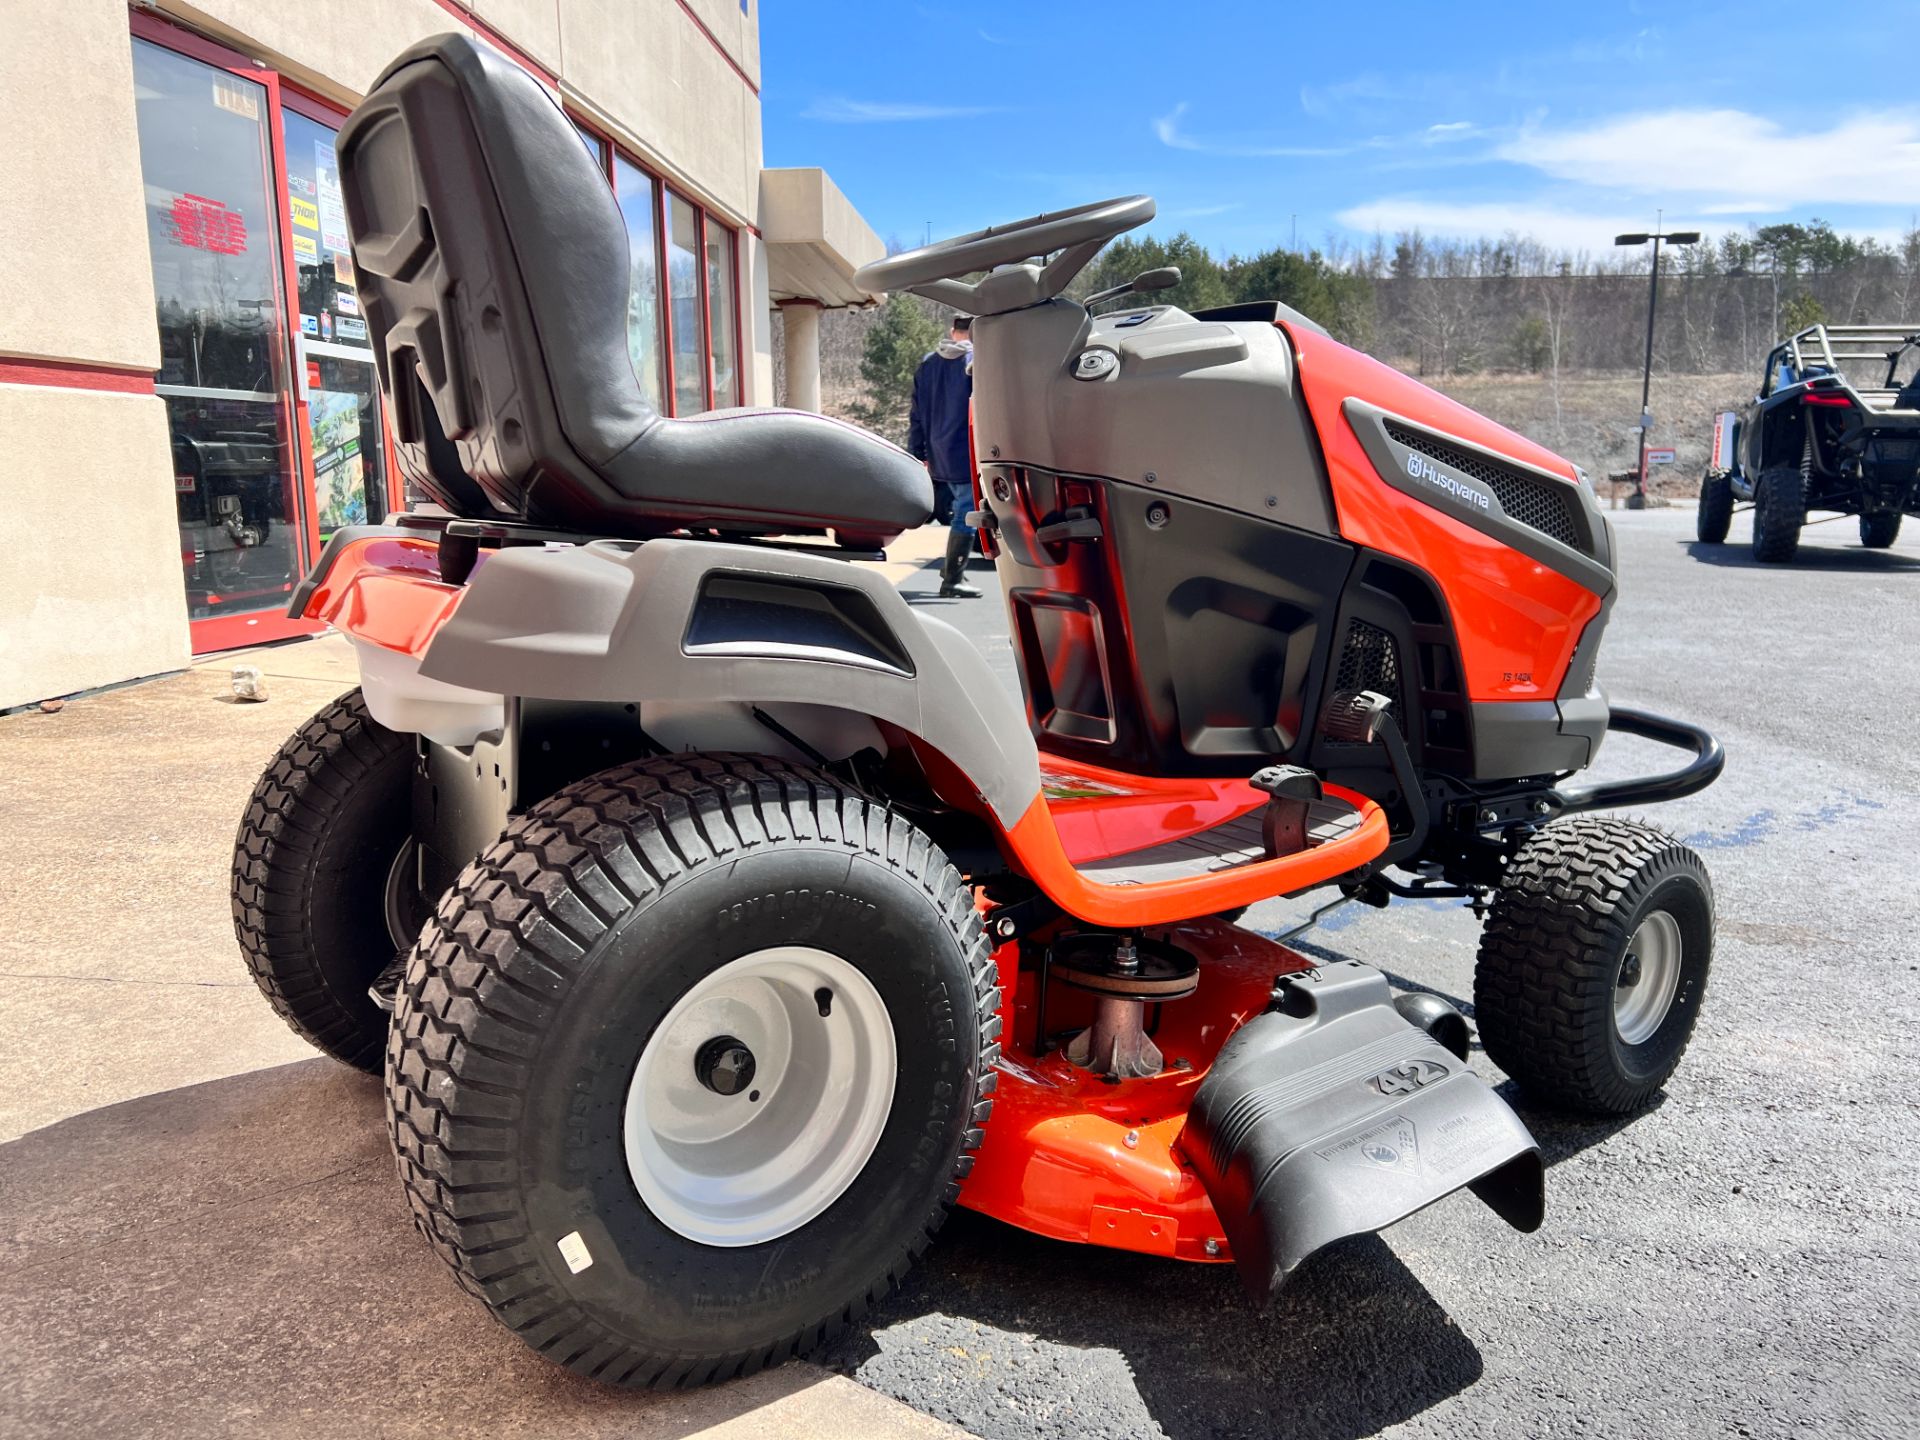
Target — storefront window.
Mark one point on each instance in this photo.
(720, 313)
(689, 330)
(342, 391)
(213, 231)
(634, 189)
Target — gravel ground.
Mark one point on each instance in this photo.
(1741, 1259)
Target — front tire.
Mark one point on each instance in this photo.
(320, 901)
(1715, 514)
(1877, 532)
(1594, 963)
(637, 1199)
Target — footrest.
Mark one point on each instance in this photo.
(1236, 842)
(1198, 868)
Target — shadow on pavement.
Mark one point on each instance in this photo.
(236, 1258)
(1354, 1344)
(1853, 559)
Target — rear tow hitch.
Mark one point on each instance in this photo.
(1332, 1115)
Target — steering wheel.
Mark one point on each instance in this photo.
(937, 270)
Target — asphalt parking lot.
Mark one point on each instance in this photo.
(200, 1231)
(1743, 1259)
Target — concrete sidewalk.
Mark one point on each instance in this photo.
(200, 1231)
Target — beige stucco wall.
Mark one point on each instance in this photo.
(90, 589)
(75, 283)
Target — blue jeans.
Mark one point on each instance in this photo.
(960, 496)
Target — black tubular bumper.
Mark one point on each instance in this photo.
(1705, 767)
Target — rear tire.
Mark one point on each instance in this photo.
(1877, 532)
(319, 843)
(1716, 508)
(1779, 510)
(542, 1076)
(1594, 963)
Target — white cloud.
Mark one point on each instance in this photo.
(1167, 127)
(1553, 226)
(840, 111)
(1743, 162)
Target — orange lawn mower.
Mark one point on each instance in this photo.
(735, 922)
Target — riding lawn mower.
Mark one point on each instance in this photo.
(719, 920)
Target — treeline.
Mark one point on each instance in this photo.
(1452, 307)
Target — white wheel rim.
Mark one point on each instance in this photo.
(1639, 1008)
(741, 1169)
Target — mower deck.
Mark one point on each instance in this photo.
(1071, 1155)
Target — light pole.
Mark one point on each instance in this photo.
(1638, 500)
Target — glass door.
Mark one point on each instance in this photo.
(337, 383)
(206, 157)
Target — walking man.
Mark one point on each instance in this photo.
(937, 437)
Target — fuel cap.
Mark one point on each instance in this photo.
(1095, 365)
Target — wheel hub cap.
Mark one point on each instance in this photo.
(724, 1065)
(754, 1105)
(1649, 978)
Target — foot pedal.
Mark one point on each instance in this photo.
(1332, 1116)
(385, 989)
(1291, 792)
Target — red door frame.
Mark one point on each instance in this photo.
(228, 632)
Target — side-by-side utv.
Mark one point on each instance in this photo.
(735, 922)
(1833, 427)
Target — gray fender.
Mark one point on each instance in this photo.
(692, 621)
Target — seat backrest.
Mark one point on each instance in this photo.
(491, 262)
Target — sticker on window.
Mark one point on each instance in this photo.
(237, 96)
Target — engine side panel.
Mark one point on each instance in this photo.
(1518, 619)
(1186, 639)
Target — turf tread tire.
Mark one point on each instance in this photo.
(320, 785)
(511, 937)
(1558, 920)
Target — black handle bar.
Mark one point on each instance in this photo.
(1705, 767)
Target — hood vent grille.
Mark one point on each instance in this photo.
(1532, 501)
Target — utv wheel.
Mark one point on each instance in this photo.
(688, 1066)
(1779, 510)
(322, 890)
(1716, 508)
(1877, 532)
(1594, 963)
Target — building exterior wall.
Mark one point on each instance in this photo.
(90, 590)
(90, 574)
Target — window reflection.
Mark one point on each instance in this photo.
(212, 234)
(634, 189)
(720, 312)
(689, 327)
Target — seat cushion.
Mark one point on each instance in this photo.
(783, 467)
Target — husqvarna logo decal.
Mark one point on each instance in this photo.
(1427, 473)
(1405, 1078)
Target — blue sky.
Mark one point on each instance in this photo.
(1244, 120)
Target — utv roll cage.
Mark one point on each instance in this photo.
(1818, 351)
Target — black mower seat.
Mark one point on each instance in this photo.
(492, 267)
